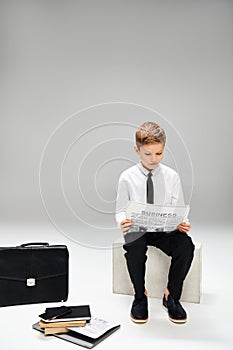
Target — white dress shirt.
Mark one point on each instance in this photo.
(133, 183)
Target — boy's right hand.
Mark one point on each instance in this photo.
(125, 226)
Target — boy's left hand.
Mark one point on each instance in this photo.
(184, 227)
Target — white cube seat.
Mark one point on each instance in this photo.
(157, 267)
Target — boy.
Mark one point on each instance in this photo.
(152, 182)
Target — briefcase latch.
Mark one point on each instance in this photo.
(31, 282)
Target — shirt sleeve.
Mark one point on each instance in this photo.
(121, 200)
(177, 193)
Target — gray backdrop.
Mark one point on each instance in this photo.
(77, 77)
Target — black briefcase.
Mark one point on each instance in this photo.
(33, 273)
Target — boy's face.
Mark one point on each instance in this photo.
(150, 154)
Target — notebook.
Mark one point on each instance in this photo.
(66, 313)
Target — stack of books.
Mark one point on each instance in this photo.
(75, 324)
(56, 320)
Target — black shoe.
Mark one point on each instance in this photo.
(176, 313)
(139, 310)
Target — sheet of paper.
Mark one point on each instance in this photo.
(95, 328)
(153, 218)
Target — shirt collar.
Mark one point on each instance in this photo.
(146, 171)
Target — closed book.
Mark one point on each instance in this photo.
(57, 330)
(75, 313)
(46, 325)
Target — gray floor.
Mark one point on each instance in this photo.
(209, 325)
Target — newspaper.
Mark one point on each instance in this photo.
(154, 218)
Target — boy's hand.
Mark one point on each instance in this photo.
(125, 226)
(184, 227)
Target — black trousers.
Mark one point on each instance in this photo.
(177, 245)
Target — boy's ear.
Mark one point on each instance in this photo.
(136, 149)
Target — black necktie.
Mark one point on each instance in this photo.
(150, 189)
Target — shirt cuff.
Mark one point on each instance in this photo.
(120, 217)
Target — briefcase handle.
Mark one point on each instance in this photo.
(43, 244)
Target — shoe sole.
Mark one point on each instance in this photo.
(184, 320)
(136, 320)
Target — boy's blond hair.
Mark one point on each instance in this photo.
(149, 132)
